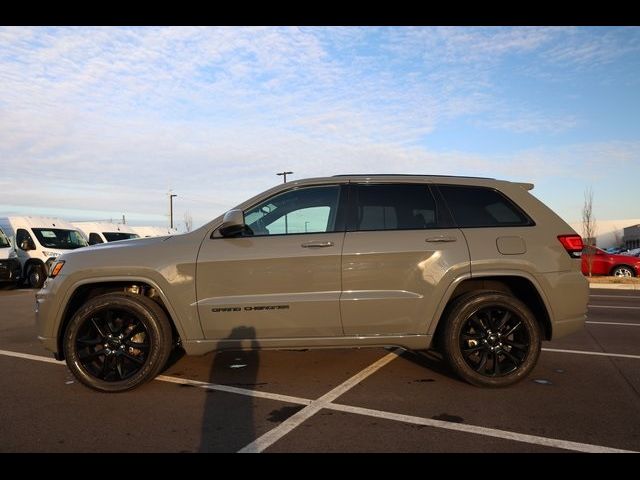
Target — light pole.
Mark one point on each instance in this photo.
(171, 195)
(285, 175)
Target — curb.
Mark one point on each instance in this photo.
(615, 286)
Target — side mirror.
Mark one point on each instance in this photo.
(26, 245)
(232, 223)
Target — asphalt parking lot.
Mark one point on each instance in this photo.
(584, 396)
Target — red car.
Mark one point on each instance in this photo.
(604, 263)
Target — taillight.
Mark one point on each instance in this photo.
(572, 244)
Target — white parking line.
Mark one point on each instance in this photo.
(583, 352)
(615, 296)
(489, 432)
(28, 356)
(326, 402)
(614, 323)
(239, 391)
(272, 436)
(612, 306)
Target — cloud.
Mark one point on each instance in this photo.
(111, 118)
(522, 121)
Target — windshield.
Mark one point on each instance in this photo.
(59, 238)
(115, 236)
(4, 241)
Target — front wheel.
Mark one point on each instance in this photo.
(36, 276)
(116, 342)
(623, 271)
(491, 339)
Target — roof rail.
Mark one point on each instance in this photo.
(407, 175)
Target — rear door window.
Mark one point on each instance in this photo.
(393, 207)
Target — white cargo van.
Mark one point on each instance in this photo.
(154, 231)
(38, 241)
(101, 232)
(10, 270)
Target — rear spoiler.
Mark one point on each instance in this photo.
(526, 186)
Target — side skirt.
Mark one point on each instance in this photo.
(410, 342)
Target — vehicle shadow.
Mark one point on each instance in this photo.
(238, 368)
(432, 360)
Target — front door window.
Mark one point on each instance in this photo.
(299, 211)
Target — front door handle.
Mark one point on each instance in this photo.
(317, 244)
(440, 239)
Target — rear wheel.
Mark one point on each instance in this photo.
(491, 339)
(36, 276)
(116, 342)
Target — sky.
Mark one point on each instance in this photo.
(100, 122)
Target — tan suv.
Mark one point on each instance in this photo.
(475, 267)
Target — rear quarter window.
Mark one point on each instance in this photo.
(482, 207)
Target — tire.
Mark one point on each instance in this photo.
(623, 271)
(116, 342)
(36, 276)
(490, 339)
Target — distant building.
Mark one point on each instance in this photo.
(631, 237)
(613, 233)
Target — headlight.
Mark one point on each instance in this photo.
(56, 269)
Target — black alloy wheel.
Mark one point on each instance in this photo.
(116, 342)
(113, 344)
(494, 341)
(491, 339)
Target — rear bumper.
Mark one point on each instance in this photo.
(567, 295)
(565, 327)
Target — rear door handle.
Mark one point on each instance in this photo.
(317, 244)
(440, 239)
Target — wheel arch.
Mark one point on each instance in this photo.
(84, 290)
(520, 285)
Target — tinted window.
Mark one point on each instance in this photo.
(94, 239)
(59, 238)
(394, 207)
(4, 241)
(115, 236)
(21, 236)
(303, 210)
(482, 207)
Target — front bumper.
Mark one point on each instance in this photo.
(47, 309)
(10, 270)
